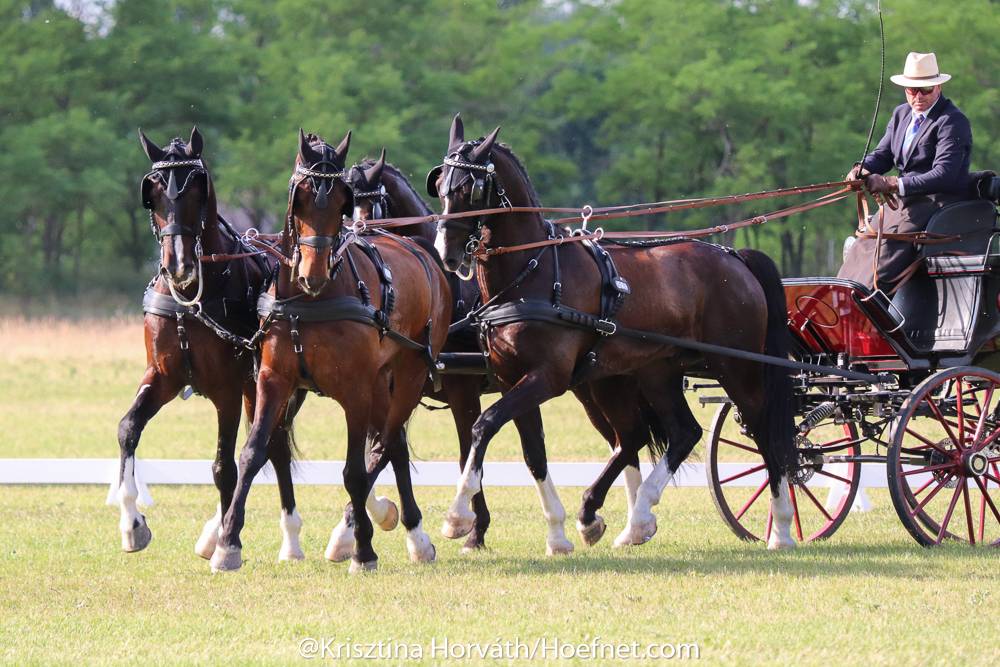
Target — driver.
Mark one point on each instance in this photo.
(929, 142)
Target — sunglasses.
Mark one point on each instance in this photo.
(922, 91)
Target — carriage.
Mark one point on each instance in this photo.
(929, 410)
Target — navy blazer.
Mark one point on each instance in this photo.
(939, 156)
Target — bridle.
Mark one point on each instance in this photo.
(323, 176)
(485, 184)
(378, 197)
(164, 172)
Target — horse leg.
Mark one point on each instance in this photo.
(530, 391)
(612, 405)
(669, 417)
(418, 542)
(273, 392)
(743, 385)
(380, 509)
(155, 391)
(633, 475)
(356, 481)
(462, 395)
(227, 408)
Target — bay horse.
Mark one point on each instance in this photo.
(192, 309)
(554, 329)
(380, 190)
(356, 320)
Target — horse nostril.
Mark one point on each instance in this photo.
(451, 264)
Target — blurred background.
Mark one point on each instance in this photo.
(605, 103)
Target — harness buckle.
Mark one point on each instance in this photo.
(607, 327)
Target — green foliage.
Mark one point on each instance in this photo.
(605, 102)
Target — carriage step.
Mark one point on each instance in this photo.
(461, 363)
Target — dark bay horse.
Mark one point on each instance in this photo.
(549, 332)
(358, 321)
(380, 191)
(190, 307)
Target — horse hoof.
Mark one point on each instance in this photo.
(428, 554)
(636, 533)
(227, 559)
(205, 546)
(358, 567)
(341, 545)
(593, 532)
(138, 538)
(290, 553)
(474, 544)
(391, 518)
(559, 547)
(458, 525)
(776, 543)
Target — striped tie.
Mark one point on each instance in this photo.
(914, 129)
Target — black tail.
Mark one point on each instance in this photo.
(778, 429)
(658, 439)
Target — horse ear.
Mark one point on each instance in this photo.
(152, 151)
(457, 135)
(307, 155)
(482, 151)
(374, 173)
(343, 147)
(195, 143)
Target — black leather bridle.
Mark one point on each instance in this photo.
(323, 176)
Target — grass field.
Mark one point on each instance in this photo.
(68, 595)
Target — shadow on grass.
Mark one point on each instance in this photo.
(814, 560)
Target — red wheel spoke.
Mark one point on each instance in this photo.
(960, 407)
(968, 511)
(927, 442)
(770, 520)
(739, 445)
(748, 471)
(917, 471)
(982, 414)
(993, 478)
(831, 475)
(816, 502)
(984, 489)
(944, 422)
(947, 515)
(921, 489)
(941, 484)
(795, 511)
(753, 499)
(982, 515)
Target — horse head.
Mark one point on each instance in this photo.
(318, 199)
(178, 193)
(466, 181)
(370, 197)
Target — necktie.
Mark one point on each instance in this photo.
(914, 129)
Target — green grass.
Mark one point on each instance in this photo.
(868, 596)
(68, 594)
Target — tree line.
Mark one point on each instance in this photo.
(605, 103)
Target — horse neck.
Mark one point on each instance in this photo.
(511, 229)
(405, 203)
(213, 240)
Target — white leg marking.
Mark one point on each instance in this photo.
(341, 544)
(135, 533)
(641, 522)
(205, 546)
(633, 478)
(382, 511)
(418, 545)
(291, 526)
(460, 519)
(782, 514)
(555, 516)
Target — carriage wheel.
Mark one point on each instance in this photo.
(821, 495)
(944, 459)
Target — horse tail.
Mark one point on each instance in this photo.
(658, 439)
(778, 427)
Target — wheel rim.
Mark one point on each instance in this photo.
(944, 461)
(821, 496)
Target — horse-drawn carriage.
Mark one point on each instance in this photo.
(930, 412)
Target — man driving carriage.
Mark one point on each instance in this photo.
(929, 142)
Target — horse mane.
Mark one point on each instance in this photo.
(507, 152)
(404, 182)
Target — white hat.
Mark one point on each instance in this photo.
(921, 70)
